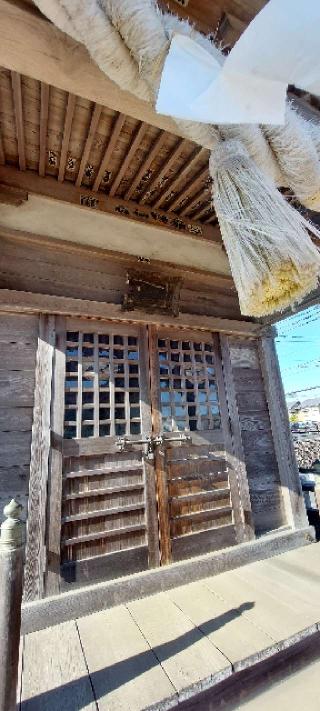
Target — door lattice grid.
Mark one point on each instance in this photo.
(188, 390)
(102, 386)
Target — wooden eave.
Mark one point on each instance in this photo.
(68, 132)
(113, 161)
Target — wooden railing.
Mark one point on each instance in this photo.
(11, 582)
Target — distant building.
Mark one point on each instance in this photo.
(305, 411)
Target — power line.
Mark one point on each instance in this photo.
(304, 390)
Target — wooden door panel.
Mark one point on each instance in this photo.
(108, 503)
(197, 489)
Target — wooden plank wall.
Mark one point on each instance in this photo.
(79, 273)
(256, 435)
(18, 345)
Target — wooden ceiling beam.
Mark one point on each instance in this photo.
(201, 212)
(137, 138)
(2, 153)
(12, 196)
(18, 112)
(117, 127)
(43, 133)
(193, 184)
(95, 118)
(178, 180)
(152, 154)
(67, 192)
(211, 220)
(33, 46)
(167, 164)
(71, 104)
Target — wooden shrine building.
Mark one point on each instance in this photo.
(142, 418)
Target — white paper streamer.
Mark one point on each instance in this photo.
(281, 46)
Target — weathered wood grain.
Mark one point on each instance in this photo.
(40, 448)
(44, 113)
(55, 674)
(22, 329)
(99, 568)
(26, 302)
(185, 654)
(201, 542)
(52, 573)
(243, 356)
(237, 638)
(125, 673)
(237, 447)
(15, 358)
(17, 388)
(288, 469)
(256, 436)
(15, 448)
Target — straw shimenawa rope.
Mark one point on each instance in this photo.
(272, 258)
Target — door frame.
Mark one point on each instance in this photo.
(48, 579)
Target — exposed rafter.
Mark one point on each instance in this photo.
(44, 114)
(189, 189)
(158, 144)
(206, 208)
(71, 103)
(95, 118)
(17, 102)
(140, 132)
(179, 179)
(109, 150)
(160, 174)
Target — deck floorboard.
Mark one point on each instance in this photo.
(155, 652)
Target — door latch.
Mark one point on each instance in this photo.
(152, 441)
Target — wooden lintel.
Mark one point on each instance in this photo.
(67, 192)
(223, 283)
(27, 302)
(12, 196)
(31, 45)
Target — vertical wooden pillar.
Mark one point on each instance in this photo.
(246, 528)
(53, 543)
(160, 454)
(39, 464)
(11, 564)
(292, 496)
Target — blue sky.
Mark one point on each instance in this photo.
(298, 347)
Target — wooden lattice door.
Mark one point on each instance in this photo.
(139, 475)
(198, 495)
(108, 501)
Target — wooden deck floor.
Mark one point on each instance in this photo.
(155, 652)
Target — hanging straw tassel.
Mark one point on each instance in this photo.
(273, 261)
(297, 157)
